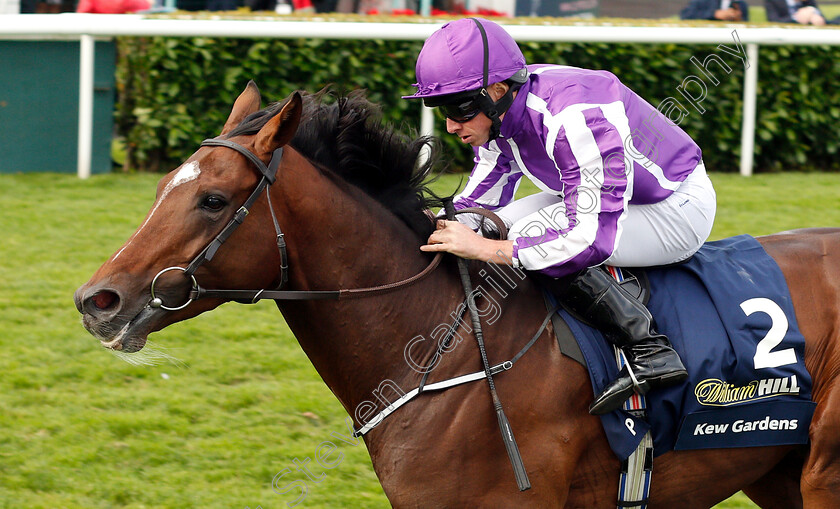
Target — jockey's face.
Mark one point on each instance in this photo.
(476, 131)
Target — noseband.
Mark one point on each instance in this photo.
(250, 296)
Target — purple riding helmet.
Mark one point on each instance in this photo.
(457, 64)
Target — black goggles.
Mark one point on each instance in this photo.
(461, 111)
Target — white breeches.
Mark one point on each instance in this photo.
(656, 234)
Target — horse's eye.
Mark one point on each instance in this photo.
(213, 203)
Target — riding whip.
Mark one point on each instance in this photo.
(504, 425)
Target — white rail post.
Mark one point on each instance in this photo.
(748, 121)
(86, 52)
(427, 127)
(427, 121)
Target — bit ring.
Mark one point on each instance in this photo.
(156, 302)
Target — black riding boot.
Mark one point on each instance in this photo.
(627, 323)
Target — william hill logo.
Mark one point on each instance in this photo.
(714, 392)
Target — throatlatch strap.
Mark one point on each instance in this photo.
(636, 470)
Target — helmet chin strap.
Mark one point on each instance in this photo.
(493, 109)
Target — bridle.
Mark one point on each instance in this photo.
(268, 174)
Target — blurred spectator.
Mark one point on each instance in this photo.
(112, 6)
(325, 5)
(302, 6)
(722, 10)
(221, 5)
(53, 6)
(804, 12)
(261, 5)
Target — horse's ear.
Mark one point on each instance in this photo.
(248, 102)
(282, 127)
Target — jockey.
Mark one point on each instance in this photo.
(619, 184)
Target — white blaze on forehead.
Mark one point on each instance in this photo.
(188, 172)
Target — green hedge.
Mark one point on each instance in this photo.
(173, 92)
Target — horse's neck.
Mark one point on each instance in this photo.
(341, 238)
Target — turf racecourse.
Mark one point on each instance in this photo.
(80, 428)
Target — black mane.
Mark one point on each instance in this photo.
(347, 137)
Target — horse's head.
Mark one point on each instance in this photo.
(133, 294)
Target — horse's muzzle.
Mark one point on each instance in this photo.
(105, 316)
(103, 304)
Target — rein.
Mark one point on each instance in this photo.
(251, 296)
(508, 439)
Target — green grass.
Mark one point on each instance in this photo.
(80, 428)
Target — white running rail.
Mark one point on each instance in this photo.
(86, 27)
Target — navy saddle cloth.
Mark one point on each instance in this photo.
(728, 313)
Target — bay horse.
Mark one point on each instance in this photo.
(347, 205)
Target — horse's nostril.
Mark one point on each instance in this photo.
(104, 300)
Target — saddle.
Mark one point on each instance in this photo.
(718, 310)
(728, 312)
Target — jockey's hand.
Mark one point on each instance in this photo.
(459, 239)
